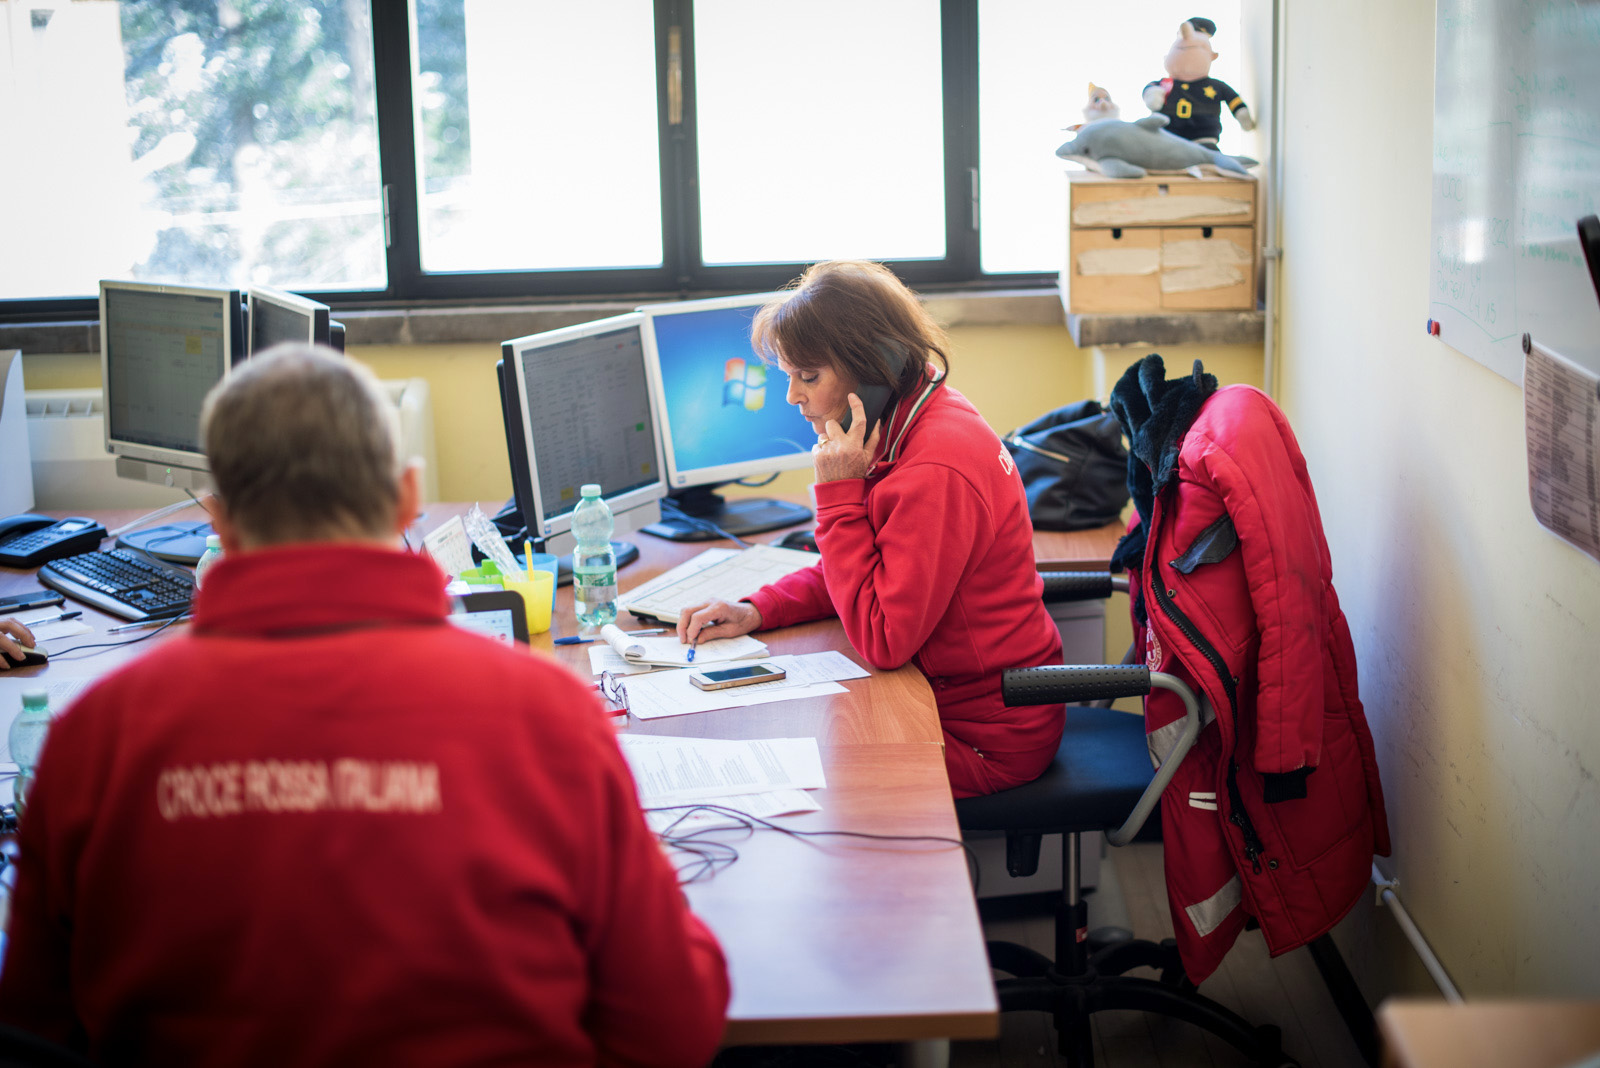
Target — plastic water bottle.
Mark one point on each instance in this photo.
(26, 739)
(212, 554)
(594, 564)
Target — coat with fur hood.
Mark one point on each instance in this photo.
(1277, 811)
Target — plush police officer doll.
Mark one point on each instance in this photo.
(1191, 99)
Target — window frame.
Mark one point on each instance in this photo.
(682, 273)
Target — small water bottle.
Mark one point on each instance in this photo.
(26, 739)
(212, 554)
(594, 564)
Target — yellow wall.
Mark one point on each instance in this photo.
(1477, 631)
(1011, 373)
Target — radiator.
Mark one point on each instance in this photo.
(73, 472)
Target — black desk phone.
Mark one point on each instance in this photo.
(30, 540)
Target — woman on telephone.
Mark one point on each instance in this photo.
(927, 549)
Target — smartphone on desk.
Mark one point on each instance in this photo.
(744, 675)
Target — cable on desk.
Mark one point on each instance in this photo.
(671, 510)
(114, 645)
(712, 857)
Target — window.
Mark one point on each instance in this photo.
(362, 151)
(178, 140)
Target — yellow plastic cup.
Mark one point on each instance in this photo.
(537, 593)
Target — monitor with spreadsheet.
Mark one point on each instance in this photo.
(583, 401)
(275, 316)
(162, 348)
(723, 413)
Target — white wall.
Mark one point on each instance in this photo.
(1478, 633)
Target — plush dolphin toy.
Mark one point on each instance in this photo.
(1131, 149)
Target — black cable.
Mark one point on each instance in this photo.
(673, 511)
(714, 856)
(115, 645)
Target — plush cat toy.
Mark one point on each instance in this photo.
(1191, 99)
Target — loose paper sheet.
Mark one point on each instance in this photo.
(449, 546)
(766, 806)
(1562, 401)
(669, 693)
(671, 771)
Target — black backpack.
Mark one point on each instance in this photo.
(1073, 466)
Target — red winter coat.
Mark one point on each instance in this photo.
(930, 559)
(328, 828)
(1237, 587)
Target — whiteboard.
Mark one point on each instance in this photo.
(1516, 163)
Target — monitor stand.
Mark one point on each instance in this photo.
(738, 516)
(176, 543)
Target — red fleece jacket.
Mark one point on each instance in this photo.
(930, 559)
(328, 828)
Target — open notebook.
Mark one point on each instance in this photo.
(667, 651)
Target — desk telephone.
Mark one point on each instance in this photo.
(30, 540)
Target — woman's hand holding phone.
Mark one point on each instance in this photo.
(840, 453)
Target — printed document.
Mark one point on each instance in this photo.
(1562, 407)
(670, 693)
(670, 771)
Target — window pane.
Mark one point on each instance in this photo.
(820, 129)
(1035, 63)
(538, 135)
(189, 141)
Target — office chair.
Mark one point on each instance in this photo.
(1100, 781)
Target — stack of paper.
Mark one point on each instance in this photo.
(763, 777)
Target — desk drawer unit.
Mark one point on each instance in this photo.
(1162, 243)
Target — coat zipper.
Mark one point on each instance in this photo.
(1238, 817)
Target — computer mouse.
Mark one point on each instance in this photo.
(30, 657)
(805, 540)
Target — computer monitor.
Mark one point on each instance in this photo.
(162, 348)
(723, 414)
(273, 316)
(584, 413)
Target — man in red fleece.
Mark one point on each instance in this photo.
(325, 827)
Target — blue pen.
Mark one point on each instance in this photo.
(690, 657)
(574, 640)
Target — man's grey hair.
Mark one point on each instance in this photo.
(303, 446)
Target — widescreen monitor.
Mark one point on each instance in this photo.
(587, 414)
(162, 348)
(724, 414)
(274, 316)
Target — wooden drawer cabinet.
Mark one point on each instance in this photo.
(1167, 243)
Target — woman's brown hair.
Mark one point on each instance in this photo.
(856, 317)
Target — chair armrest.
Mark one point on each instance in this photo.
(1056, 682)
(1076, 585)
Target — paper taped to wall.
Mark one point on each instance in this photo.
(1562, 404)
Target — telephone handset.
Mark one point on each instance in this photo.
(30, 540)
(875, 399)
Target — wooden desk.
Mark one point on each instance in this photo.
(1076, 550)
(1488, 1034)
(828, 940)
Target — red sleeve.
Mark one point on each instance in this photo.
(797, 598)
(658, 981)
(1260, 482)
(891, 571)
(35, 987)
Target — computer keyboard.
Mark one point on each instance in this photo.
(123, 582)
